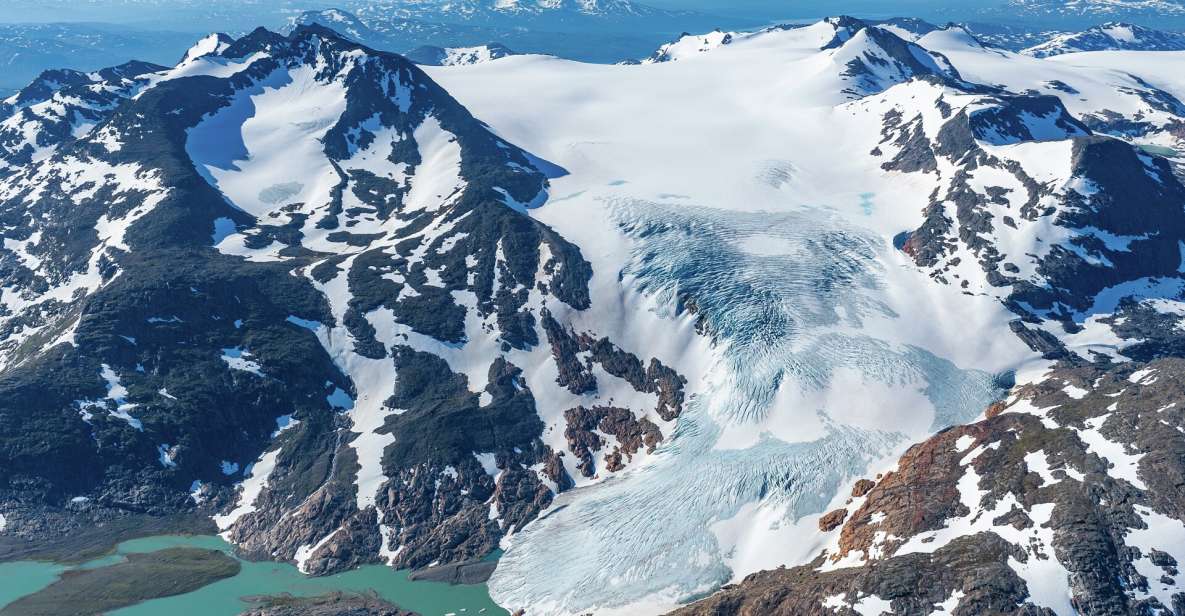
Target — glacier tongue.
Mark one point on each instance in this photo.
(801, 400)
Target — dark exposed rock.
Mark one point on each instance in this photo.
(831, 520)
(577, 376)
(1090, 507)
(573, 374)
(861, 487)
(915, 153)
(171, 309)
(472, 572)
(1039, 340)
(334, 604)
(631, 433)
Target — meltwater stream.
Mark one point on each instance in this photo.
(800, 401)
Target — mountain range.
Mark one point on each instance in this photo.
(845, 317)
(1111, 36)
(28, 49)
(1108, 37)
(587, 31)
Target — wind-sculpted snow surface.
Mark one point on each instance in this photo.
(799, 401)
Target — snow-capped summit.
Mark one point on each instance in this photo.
(194, 206)
(338, 20)
(870, 56)
(1109, 36)
(952, 35)
(1097, 8)
(873, 59)
(908, 28)
(429, 55)
(690, 45)
(213, 44)
(487, 9)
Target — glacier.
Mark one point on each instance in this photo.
(760, 264)
(799, 402)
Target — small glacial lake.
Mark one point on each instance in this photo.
(225, 597)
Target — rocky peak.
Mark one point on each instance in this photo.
(211, 45)
(1109, 36)
(873, 59)
(429, 55)
(286, 223)
(60, 106)
(689, 45)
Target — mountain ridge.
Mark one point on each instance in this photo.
(295, 285)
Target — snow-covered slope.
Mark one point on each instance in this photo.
(855, 139)
(690, 45)
(639, 326)
(1109, 36)
(1097, 8)
(488, 10)
(1115, 101)
(456, 56)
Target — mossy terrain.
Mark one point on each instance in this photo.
(85, 592)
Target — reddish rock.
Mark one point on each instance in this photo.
(862, 487)
(830, 521)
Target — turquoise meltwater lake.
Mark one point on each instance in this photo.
(225, 597)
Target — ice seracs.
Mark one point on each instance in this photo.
(911, 102)
(640, 352)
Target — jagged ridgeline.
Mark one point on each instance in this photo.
(290, 286)
(292, 282)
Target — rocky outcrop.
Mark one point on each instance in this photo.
(585, 425)
(1055, 490)
(334, 604)
(576, 375)
(974, 229)
(832, 520)
(150, 369)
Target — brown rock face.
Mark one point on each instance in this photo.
(831, 521)
(994, 409)
(862, 487)
(931, 469)
(575, 356)
(631, 433)
(1041, 475)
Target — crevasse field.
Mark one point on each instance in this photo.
(364, 308)
(830, 351)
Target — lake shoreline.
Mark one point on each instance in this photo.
(232, 596)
